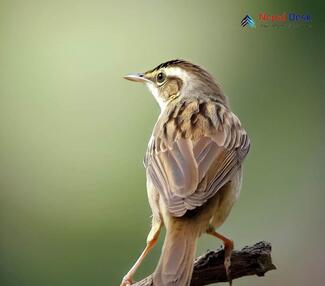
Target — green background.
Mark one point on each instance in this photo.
(73, 206)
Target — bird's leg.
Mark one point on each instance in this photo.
(228, 247)
(151, 241)
(128, 278)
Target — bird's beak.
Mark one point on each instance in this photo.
(138, 77)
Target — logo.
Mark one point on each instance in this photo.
(284, 20)
(248, 21)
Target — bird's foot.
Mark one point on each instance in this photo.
(229, 246)
(126, 281)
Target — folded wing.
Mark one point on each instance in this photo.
(188, 168)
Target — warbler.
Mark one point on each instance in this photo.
(193, 166)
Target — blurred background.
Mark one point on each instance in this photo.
(73, 133)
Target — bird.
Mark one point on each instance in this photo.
(193, 167)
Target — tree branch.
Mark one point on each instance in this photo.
(209, 268)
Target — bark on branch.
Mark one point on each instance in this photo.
(209, 268)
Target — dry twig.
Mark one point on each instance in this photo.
(209, 268)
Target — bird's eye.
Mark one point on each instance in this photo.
(161, 77)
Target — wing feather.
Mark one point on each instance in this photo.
(190, 169)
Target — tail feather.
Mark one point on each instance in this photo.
(175, 266)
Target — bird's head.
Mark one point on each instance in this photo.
(178, 78)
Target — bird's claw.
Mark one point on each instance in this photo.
(126, 281)
(227, 264)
